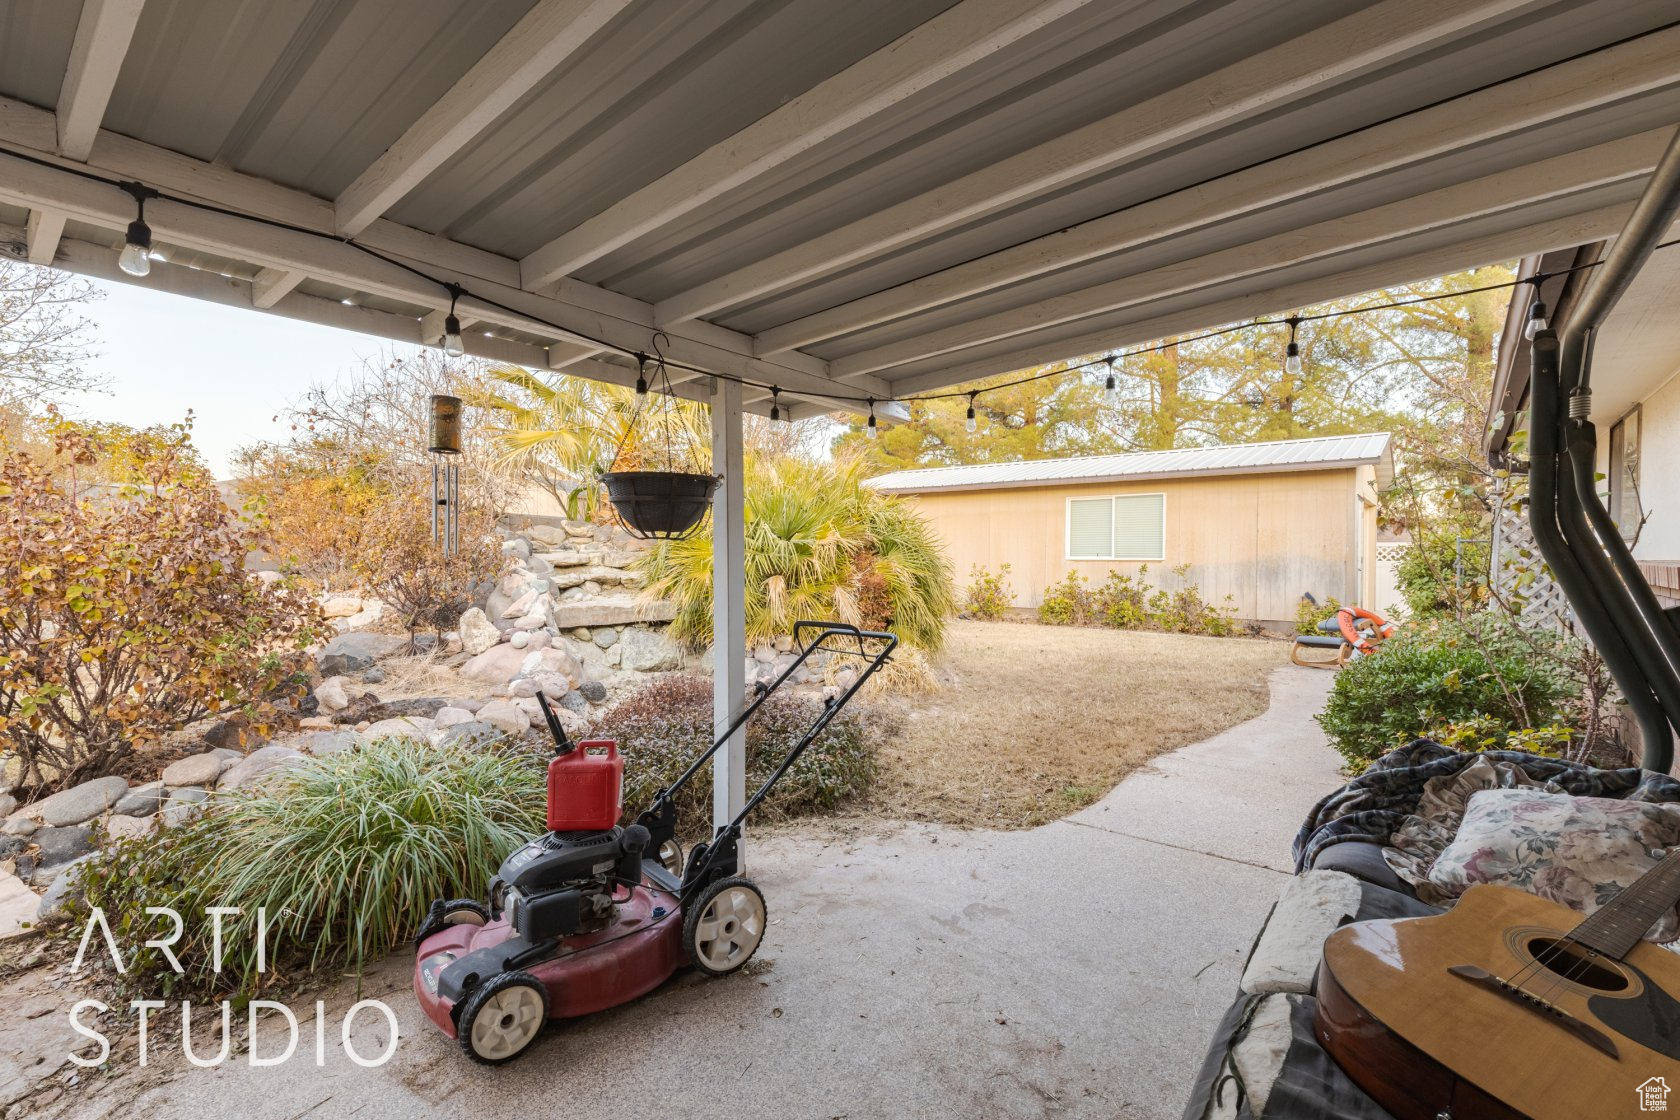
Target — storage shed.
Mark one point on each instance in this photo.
(1260, 522)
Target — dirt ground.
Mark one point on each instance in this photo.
(1034, 722)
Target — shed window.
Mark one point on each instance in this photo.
(1129, 527)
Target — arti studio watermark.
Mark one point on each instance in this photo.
(275, 1044)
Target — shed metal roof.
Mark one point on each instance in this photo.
(869, 199)
(1319, 453)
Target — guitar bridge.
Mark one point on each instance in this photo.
(1586, 1032)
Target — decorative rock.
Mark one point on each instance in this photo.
(478, 633)
(467, 703)
(765, 654)
(593, 691)
(473, 734)
(66, 886)
(573, 595)
(120, 827)
(231, 733)
(19, 824)
(591, 588)
(536, 620)
(356, 651)
(615, 655)
(341, 606)
(540, 639)
(315, 723)
(376, 674)
(521, 606)
(18, 906)
(550, 535)
(195, 770)
(505, 717)
(618, 558)
(141, 801)
(401, 727)
(523, 687)
(496, 665)
(59, 846)
(79, 803)
(612, 611)
(519, 639)
(331, 694)
(228, 755)
(648, 652)
(325, 744)
(257, 765)
(575, 702)
(605, 637)
(7, 804)
(576, 529)
(451, 716)
(518, 546)
(181, 806)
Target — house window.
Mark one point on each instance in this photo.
(1128, 527)
(1625, 506)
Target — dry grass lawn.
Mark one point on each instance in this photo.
(1033, 722)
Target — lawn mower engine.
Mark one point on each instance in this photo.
(563, 883)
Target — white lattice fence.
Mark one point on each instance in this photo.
(1520, 576)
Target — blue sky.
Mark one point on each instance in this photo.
(163, 354)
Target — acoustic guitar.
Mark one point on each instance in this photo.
(1510, 1006)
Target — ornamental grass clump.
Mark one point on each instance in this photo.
(343, 853)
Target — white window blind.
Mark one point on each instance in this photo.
(1132, 527)
(1140, 527)
(1091, 528)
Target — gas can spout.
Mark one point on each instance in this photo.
(562, 745)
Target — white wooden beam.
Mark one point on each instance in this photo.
(272, 284)
(102, 37)
(1511, 194)
(42, 233)
(729, 605)
(543, 39)
(1377, 36)
(1607, 78)
(955, 39)
(1264, 298)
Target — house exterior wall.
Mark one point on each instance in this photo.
(1263, 539)
(1658, 548)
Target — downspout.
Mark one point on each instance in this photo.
(1545, 499)
(1649, 635)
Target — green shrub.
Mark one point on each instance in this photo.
(1126, 602)
(1444, 573)
(345, 853)
(989, 596)
(664, 725)
(1309, 614)
(1479, 683)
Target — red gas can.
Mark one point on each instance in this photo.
(584, 789)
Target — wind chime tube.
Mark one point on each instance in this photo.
(436, 540)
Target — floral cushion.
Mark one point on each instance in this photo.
(1577, 851)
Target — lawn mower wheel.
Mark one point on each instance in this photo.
(502, 1017)
(724, 926)
(454, 912)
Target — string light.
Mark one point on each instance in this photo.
(453, 345)
(873, 430)
(971, 423)
(1292, 352)
(1111, 389)
(641, 379)
(1537, 320)
(136, 257)
(775, 404)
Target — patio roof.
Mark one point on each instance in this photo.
(869, 199)
(1318, 453)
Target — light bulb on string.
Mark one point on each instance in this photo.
(971, 424)
(1292, 352)
(775, 404)
(872, 430)
(453, 345)
(1537, 320)
(1111, 388)
(136, 256)
(641, 380)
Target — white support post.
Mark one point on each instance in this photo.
(729, 614)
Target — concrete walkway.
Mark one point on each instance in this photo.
(1074, 970)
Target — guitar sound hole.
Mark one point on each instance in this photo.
(1571, 962)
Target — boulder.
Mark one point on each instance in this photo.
(121, 827)
(331, 694)
(513, 584)
(357, 710)
(19, 824)
(372, 611)
(356, 651)
(79, 803)
(536, 620)
(181, 806)
(540, 639)
(324, 744)
(194, 770)
(232, 734)
(521, 606)
(519, 639)
(496, 666)
(505, 717)
(468, 703)
(478, 633)
(7, 804)
(59, 846)
(19, 907)
(341, 606)
(578, 529)
(411, 727)
(604, 636)
(764, 654)
(611, 610)
(450, 716)
(258, 765)
(315, 723)
(647, 651)
(375, 675)
(518, 547)
(552, 661)
(555, 685)
(574, 701)
(415, 707)
(141, 801)
(65, 888)
(549, 535)
(593, 691)
(473, 734)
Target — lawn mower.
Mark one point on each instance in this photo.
(592, 913)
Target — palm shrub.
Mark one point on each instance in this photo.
(663, 726)
(1479, 684)
(344, 854)
(819, 545)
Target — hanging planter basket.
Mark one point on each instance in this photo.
(660, 505)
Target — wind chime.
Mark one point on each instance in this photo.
(668, 504)
(445, 446)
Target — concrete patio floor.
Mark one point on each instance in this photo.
(1074, 970)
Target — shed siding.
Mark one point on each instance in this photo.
(1261, 539)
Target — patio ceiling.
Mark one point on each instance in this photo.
(875, 198)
